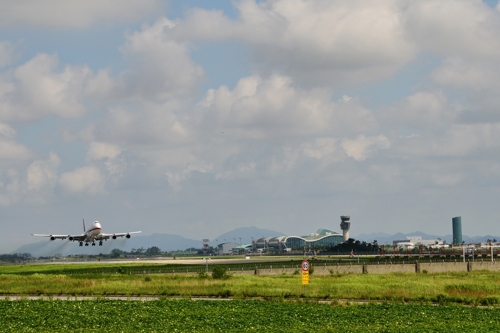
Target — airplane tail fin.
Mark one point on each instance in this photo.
(83, 225)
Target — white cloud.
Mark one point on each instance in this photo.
(29, 183)
(273, 108)
(12, 152)
(423, 110)
(448, 27)
(101, 150)
(71, 13)
(7, 132)
(10, 187)
(106, 167)
(175, 177)
(320, 148)
(151, 124)
(85, 180)
(109, 155)
(43, 173)
(160, 67)
(328, 42)
(362, 147)
(37, 88)
(478, 80)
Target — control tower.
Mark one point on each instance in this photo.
(345, 225)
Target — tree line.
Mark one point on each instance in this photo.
(15, 257)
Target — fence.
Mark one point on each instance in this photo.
(386, 268)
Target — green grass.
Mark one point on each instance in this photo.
(480, 287)
(168, 267)
(239, 316)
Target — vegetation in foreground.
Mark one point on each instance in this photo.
(239, 316)
(474, 288)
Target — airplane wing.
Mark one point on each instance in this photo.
(52, 237)
(116, 235)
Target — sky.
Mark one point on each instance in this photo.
(198, 117)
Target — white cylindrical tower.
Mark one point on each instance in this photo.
(345, 224)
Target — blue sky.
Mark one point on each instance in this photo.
(197, 117)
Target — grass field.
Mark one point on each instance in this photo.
(99, 268)
(240, 316)
(477, 287)
(396, 302)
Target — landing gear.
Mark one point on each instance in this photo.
(81, 243)
(93, 243)
(86, 244)
(100, 243)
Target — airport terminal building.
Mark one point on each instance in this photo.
(320, 239)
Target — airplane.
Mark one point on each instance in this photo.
(89, 236)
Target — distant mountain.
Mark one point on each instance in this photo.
(166, 242)
(246, 235)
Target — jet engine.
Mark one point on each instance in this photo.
(52, 238)
(114, 237)
(70, 238)
(128, 236)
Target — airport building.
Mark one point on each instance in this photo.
(242, 249)
(226, 248)
(414, 241)
(320, 239)
(456, 223)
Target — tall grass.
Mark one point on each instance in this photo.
(474, 287)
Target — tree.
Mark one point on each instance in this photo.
(220, 273)
(115, 253)
(153, 251)
(138, 251)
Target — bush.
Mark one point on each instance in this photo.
(219, 273)
(202, 275)
(122, 270)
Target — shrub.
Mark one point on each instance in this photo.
(225, 293)
(122, 270)
(219, 273)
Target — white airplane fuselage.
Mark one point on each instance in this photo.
(93, 232)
